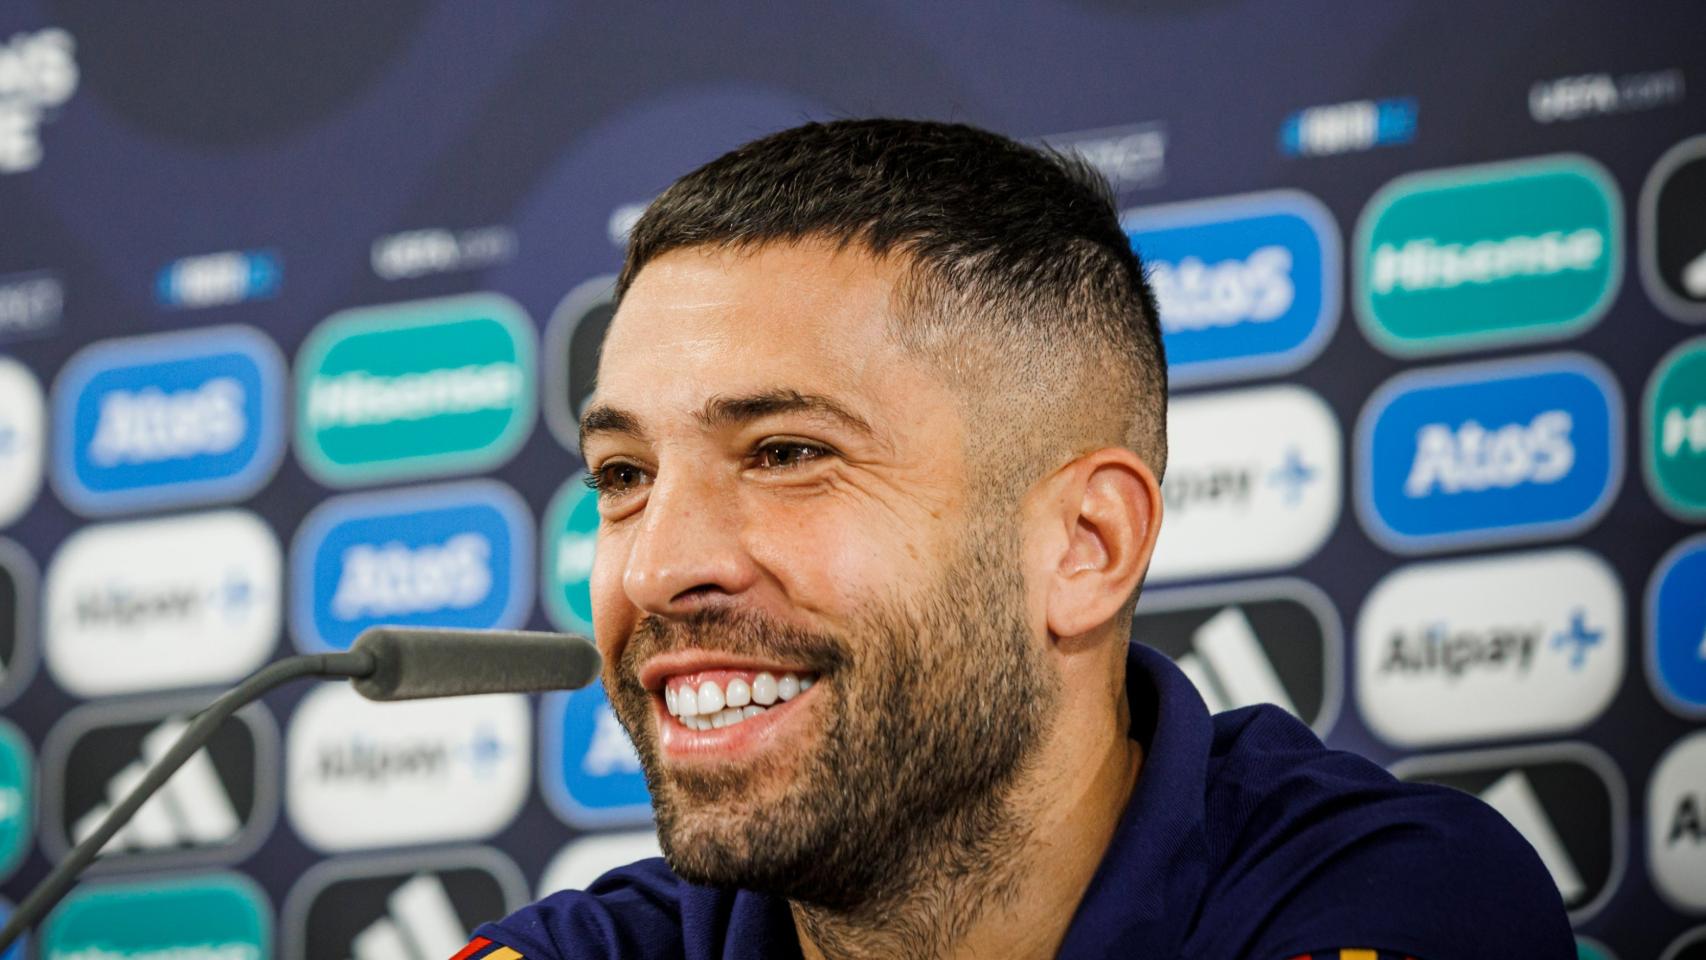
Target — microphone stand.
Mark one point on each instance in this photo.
(352, 664)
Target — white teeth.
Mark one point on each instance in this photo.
(751, 710)
(764, 689)
(731, 716)
(701, 723)
(669, 701)
(788, 687)
(687, 701)
(718, 721)
(806, 684)
(739, 694)
(710, 697)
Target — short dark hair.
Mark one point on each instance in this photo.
(1016, 247)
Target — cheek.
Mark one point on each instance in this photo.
(612, 615)
(832, 560)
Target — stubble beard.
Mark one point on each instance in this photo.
(932, 707)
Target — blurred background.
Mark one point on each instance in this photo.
(298, 304)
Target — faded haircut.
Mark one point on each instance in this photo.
(1018, 279)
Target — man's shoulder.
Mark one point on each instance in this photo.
(641, 911)
(1338, 853)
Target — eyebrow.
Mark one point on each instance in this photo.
(722, 411)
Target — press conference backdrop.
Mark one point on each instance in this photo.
(298, 305)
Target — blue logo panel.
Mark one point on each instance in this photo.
(1492, 452)
(192, 417)
(452, 556)
(1245, 285)
(591, 774)
(1676, 627)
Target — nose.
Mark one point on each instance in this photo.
(687, 552)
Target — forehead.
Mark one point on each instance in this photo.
(702, 322)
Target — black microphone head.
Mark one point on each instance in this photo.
(412, 663)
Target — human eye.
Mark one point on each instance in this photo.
(787, 454)
(614, 478)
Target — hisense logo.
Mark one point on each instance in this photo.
(356, 399)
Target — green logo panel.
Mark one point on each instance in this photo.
(1675, 414)
(17, 797)
(209, 917)
(571, 531)
(1474, 256)
(420, 389)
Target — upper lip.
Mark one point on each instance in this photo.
(656, 670)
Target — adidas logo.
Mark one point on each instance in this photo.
(1513, 796)
(421, 925)
(192, 809)
(1228, 667)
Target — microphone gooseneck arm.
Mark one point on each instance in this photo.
(354, 664)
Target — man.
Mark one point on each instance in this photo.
(877, 437)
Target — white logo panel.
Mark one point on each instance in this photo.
(586, 859)
(1676, 824)
(1254, 482)
(1490, 647)
(362, 774)
(22, 443)
(179, 602)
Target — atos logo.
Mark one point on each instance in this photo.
(362, 774)
(1490, 452)
(591, 773)
(216, 279)
(190, 417)
(1676, 627)
(1245, 285)
(23, 429)
(453, 556)
(1676, 824)
(1490, 647)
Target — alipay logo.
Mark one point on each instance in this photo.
(1253, 482)
(118, 620)
(453, 556)
(1674, 446)
(1492, 452)
(23, 426)
(1676, 627)
(1676, 824)
(1348, 127)
(1245, 285)
(1450, 259)
(417, 389)
(589, 857)
(363, 774)
(1490, 647)
(216, 279)
(202, 917)
(571, 538)
(189, 417)
(590, 770)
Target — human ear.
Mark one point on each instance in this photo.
(1110, 511)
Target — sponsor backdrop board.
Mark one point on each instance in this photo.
(297, 316)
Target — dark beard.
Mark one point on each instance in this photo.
(934, 705)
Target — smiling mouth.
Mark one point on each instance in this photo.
(714, 699)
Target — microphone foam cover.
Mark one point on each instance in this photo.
(411, 663)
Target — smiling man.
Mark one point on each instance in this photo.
(877, 437)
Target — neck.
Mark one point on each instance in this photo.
(1047, 842)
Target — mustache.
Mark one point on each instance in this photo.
(735, 632)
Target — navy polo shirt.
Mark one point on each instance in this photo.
(1244, 837)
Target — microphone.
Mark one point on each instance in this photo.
(410, 663)
(384, 663)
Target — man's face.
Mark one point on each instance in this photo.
(818, 637)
